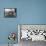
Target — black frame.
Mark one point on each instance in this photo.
(11, 15)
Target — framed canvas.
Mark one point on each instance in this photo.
(33, 32)
(9, 12)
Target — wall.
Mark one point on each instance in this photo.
(28, 12)
(33, 12)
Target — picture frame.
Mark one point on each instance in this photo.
(10, 12)
(33, 31)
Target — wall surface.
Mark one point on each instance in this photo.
(28, 12)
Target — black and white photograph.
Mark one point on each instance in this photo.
(10, 12)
